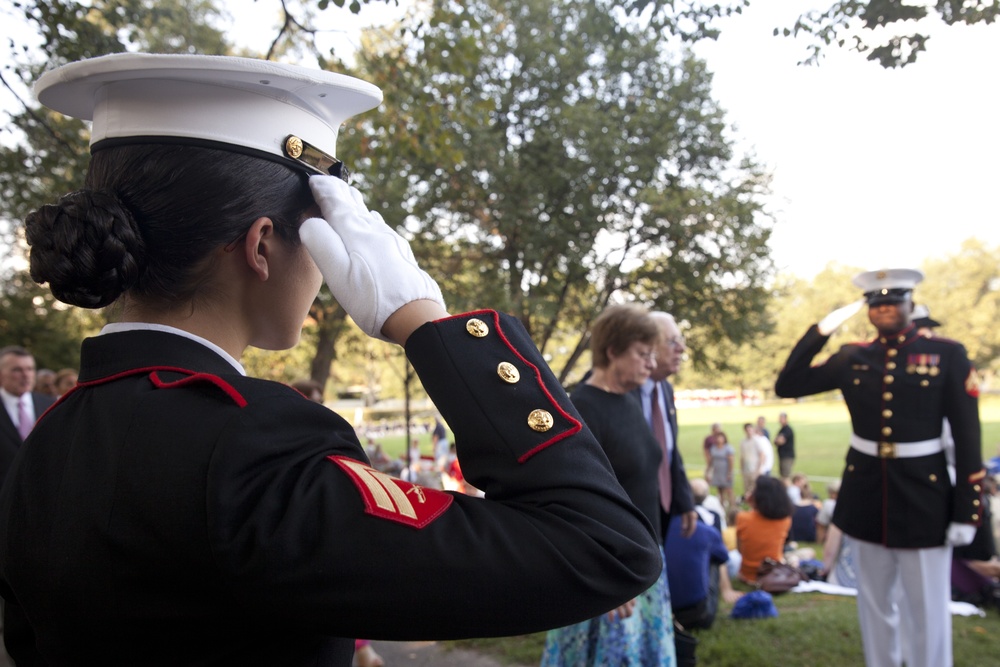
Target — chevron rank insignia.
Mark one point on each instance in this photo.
(391, 498)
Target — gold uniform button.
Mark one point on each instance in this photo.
(975, 503)
(857, 381)
(508, 372)
(887, 413)
(891, 365)
(933, 477)
(976, 488)
(850, 468)
(886, 431)
(887, 396)
(477, 328)
(975, 517)
(892, 352)
(540, 420)
(889, 379)
(925, 383)
(901, 339)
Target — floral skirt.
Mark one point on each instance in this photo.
(644, 639)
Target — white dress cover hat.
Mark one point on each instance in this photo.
(888, 285)
(239, 104)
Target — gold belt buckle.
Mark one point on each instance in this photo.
(887, 450)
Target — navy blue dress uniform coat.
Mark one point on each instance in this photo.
(898, 390)
(10, 437)
(170, 511)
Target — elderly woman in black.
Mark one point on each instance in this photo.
(170, 510)
(639, 633)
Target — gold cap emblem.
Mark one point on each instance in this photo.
(540, 420)
(508, 372)
(293, 146)
(477, 327)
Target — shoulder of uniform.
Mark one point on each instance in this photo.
(943, 340)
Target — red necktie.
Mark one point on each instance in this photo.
(24, 422)
(660, 433)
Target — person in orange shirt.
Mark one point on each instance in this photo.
(761, 532)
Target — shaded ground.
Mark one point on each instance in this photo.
(430, 654)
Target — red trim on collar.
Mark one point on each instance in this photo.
(195, 378)
(192, 378)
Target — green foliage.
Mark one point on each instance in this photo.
(552, 157)
(962, 291)
(31, 317)
(884, 29)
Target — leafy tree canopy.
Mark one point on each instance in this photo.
(555, 157)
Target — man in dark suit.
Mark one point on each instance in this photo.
(22, 406)
(657, 398)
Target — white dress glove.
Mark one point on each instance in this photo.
(832, 322)
(369, 267)
(960, 534)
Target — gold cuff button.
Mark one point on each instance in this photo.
(540, 420)
(477, 328)
(508, 372)
(925, 383)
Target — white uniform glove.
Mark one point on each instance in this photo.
(832, 322)
(960, 534)
(369, 267)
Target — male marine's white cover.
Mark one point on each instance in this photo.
(369, 268)
(832, 322)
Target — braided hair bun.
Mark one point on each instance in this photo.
(87, 248)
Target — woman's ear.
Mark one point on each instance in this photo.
(257, 246)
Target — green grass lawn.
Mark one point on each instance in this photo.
(811, 629)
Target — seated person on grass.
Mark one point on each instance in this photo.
(693, 569)
(762, 531)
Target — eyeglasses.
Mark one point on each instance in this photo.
(649, 355)
(676, 343)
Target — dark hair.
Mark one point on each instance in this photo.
(617, 327)
(15, 350)
(150, 216)
(770, 498)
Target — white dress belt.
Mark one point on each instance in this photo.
(893, 450)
